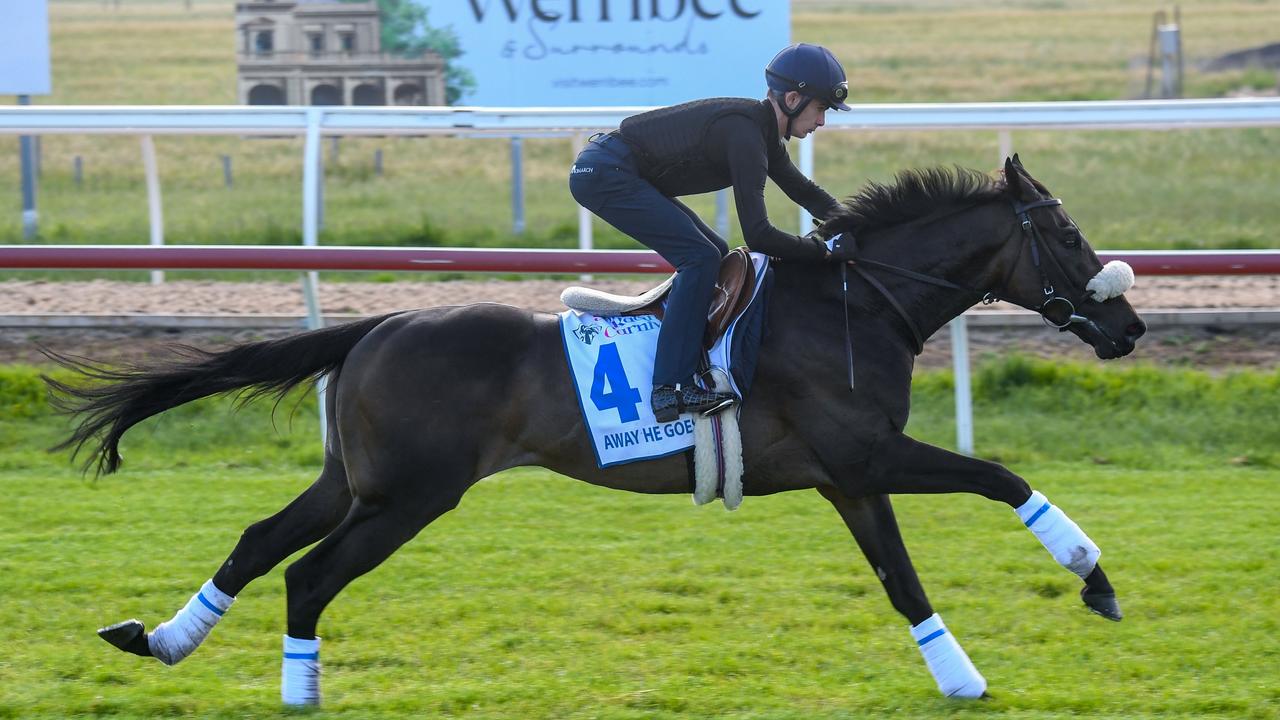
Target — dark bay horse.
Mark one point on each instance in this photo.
(424, 404)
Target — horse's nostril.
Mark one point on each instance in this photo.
(1135, 330)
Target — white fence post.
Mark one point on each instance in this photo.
(310, 237)
(806, 167)
(517, 185)
(153, 199)
(30, 178)
(585, 240)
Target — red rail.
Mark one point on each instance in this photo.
(257, 257)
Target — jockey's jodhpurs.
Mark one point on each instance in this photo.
(605, 180)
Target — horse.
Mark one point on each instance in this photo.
(423, 404)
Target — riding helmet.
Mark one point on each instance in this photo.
(810, 70)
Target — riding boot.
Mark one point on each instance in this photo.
(670, 401)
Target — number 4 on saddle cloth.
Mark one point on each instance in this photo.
(610, 342)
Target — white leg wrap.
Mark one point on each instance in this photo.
(1064, 540)
(182, 634)
(951, 668)
(300, 672)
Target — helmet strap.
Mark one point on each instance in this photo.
(791, 114)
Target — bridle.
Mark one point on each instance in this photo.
(1051, 295)
(1034, 241)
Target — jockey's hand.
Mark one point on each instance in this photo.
(841, 248)
(817, 236)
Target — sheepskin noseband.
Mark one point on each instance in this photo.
(1113, 280)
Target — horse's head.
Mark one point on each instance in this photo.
(1057, 274)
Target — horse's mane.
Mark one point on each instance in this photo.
(912, 195)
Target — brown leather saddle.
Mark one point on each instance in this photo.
(733, 294)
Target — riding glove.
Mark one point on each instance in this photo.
(842, 248)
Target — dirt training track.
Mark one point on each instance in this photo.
(1204, 346)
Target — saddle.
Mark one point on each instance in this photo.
(733, 294)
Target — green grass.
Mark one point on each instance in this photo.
(543, 597)
(540, 597)
(1179, 189)
(1026, 410)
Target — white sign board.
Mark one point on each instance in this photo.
(607, 52)
(24, 47)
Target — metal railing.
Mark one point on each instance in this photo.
(315, 122)
(490, 260)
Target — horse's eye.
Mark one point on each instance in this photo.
(1071, 238)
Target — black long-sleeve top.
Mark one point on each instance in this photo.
(712, 144)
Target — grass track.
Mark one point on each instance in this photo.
(541, 597)
(545, 598)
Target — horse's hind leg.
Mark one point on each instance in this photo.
(262, 546)
(873, 525)
(903, 465)
(376, 526)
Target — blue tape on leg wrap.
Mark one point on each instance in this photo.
(931, 636)
(1043, 509)
(205, 601)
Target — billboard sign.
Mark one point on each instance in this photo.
(24, 48)
(600, 52)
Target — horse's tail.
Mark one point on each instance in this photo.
(125, 395)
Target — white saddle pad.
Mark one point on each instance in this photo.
(611, 359)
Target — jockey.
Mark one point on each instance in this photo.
(632, 176)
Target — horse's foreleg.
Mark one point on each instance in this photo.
(261, 547)
(875, 528)
(901, 464)
(873, 525)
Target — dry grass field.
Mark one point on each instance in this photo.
(1128, 189)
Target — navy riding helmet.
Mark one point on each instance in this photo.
(810, 70)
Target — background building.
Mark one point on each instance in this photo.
(312, 52)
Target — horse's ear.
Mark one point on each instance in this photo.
(1013, 181)
(1016, 160)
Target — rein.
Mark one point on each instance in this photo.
(1029, 230)
(858, 266)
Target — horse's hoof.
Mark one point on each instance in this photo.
(1103, 604)
(129, 636)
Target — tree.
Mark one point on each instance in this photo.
(405, 31)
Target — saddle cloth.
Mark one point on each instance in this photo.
(611, 360)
